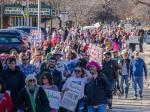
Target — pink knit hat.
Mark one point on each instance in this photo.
(93, 63)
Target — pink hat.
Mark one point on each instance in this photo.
(93, 63)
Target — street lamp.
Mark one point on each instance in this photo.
(1, 5)
(24, 4)
(39, 14)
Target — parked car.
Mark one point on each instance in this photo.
(12, 40)
(147, 37)
(28, 29)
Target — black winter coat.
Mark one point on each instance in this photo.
(42, 103)
(14, 81)
(98, 91)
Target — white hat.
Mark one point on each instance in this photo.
(29, 77)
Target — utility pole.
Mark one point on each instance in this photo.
(39, 14)
(2, 3)
(28, 24)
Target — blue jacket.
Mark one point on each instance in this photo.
(137, 67)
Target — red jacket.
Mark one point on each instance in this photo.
(6, 103)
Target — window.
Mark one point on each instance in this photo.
(3, 39)
(14, 40)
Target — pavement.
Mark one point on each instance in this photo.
(120, 104)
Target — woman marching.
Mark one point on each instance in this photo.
(97, 90)
(33, 98)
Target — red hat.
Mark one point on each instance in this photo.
(98, 66)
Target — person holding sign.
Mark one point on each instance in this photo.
(75, 85)
(97, 90)
(48, 84)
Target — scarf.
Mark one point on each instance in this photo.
(32, 97)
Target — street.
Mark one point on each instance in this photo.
(130, 105)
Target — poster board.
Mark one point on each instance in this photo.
(70, 100)
(54, 98)
(72, 96)
(36, 38)
(95, 53)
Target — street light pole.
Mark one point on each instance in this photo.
(39, 14)
(2, 3)
(28, 12)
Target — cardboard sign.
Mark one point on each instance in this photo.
(95, 53)
(54, 98)
(128, 28)
(133, 39)
(70, 100)
(72, 96)
(36, 38)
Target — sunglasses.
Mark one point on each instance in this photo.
(32, 80)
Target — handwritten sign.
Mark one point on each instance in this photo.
(36, 38)
(70, 100)
(72, 96)
(95, 53)
(54, 98)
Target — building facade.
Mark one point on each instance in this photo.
(21, 13)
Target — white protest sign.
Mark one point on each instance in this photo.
(95, 53)
(54, 98)
(71, 97)
(75, 87)
(133, 39)
(36, 39)
(97, 25)
(128, 28)
(70, 100)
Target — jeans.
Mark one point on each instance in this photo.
(137, 81)
(124, 80)
(112, 85)
(141, 46)
(101, 108)
(81, 105)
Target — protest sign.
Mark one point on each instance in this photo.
(71, 97)
(36, 39)
(128, 28)
(95, 53)
(133, 39)
(70, 100)
(54, 98)
(97, 25)
(75, 87)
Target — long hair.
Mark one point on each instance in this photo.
(3, 85)
(48, 76)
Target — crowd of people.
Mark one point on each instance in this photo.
(64, 59)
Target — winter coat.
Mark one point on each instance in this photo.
(41, 101)
(6, 103)
(98, 91)
(110, 69)
(14, 81)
